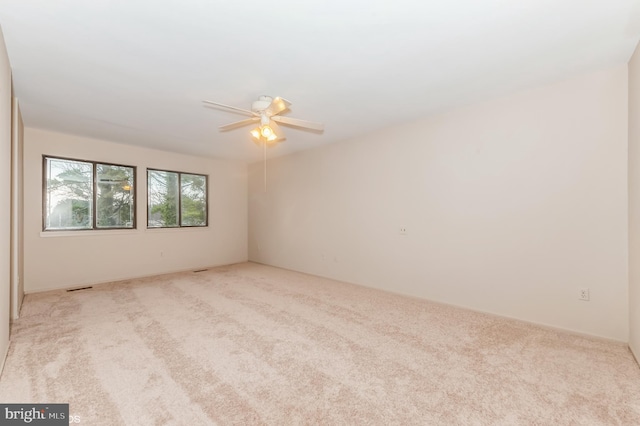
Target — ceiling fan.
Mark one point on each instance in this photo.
(266, 110)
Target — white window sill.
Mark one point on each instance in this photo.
(108, 232)
(87, 233)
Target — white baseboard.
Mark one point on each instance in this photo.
(115, 280)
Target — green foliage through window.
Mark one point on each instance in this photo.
(75, 189)
(176, 199)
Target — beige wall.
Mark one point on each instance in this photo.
(634, 203)
(61, 260)
(5, 197)
(510, 206)
(17, 207)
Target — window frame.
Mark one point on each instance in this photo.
(94, 198)
(179, 219)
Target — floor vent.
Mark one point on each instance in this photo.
(200, 270)
(78, 289)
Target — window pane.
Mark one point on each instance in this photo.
(69, 197)
(115, 193)
(162, 193)
(194, 200)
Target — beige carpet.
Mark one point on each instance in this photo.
(250, 344)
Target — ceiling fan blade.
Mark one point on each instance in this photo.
(298, 123)
(277, 130)
(237, 124)
(277, 106)
(232, 108)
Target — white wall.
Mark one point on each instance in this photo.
(61, 260)
(510, 206)
(5, 197)
(634, 203)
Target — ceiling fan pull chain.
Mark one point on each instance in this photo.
(264, 144)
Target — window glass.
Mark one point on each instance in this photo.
(193, 190)
(162, 190)
(114, 204)
(69, 194)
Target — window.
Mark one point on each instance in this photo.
(75, 189)
(176, 199)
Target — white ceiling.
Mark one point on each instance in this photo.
(136, 71)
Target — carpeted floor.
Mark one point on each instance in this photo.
(249, 344)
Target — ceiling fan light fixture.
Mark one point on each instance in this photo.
(264, 133)
(267, 132)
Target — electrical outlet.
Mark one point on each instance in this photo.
(402, 230)
(584, 294)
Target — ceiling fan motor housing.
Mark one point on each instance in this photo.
(261, 104)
